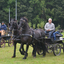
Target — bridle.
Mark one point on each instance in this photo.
(23, 23)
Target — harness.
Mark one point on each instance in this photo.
(33, 33)
(15, 36)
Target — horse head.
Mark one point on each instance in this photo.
(22, 22)
(13, 25)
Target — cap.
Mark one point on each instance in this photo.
(2, 21)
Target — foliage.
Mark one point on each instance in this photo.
(54, 9)
(58, 27)
(34, 26)
(42, 25)
(29, 24)
(38, 25)
(36, 11)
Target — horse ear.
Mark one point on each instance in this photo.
(9, 24)
(12, 20)
(18, 22)
(25, 19)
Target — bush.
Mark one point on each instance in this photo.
(42, 25)
(38, 25)
(29, 24)
(34, 26)
(58, 27)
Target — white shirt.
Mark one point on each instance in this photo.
(49, 26)
(0, 24)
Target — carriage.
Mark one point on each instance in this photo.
(23, 34)
(6, 38)
(53, 46)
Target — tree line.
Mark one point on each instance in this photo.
(37, 11)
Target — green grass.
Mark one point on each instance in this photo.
(7, 52)
(63, 34)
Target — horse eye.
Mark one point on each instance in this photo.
(9, 24)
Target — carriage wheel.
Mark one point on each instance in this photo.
(40, 52)
(56, 49)
(2, 43)
(49, 48)
(10, 42)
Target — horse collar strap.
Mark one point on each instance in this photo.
(31, 35)
(22, 35)
(15, 29)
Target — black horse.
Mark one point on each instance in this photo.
(25, 37)
(36, 34)
(16, 36)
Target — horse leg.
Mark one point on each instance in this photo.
(34, 50)
(23, 49)
(14, 55)
(44, 50)
(22, 52)
(27, 46)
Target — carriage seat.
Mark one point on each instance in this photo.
(46, 35)
(59, 35)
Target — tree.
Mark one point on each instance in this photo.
(54, 9)
(4, 9)
(37, 11)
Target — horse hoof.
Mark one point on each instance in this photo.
(34, 57)
(27, 54)
(13, 56)
(24, 58)
(44, 56)
(22, 53)
(32, 54)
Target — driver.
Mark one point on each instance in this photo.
(49, 27)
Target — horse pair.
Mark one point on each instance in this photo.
(27, 36)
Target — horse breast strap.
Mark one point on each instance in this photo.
(33, 33)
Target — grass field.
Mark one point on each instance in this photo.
(7, 52)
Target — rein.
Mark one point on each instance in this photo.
(16, 34)
(15, 29)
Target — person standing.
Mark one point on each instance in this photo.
(49, 27)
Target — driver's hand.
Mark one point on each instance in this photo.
(48, 30)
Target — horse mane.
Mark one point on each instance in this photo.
(24, 18)
(12, 20)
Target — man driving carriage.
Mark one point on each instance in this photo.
(49, 27)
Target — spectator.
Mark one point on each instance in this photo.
(3, 28)
(0, 26)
